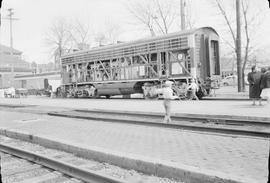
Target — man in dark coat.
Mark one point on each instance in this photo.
(265, 82)
(254, 79)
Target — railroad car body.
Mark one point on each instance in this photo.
(141, 66)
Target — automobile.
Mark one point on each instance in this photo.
(231, 80)
(9, 92)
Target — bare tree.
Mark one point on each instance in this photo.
(142, 12)
(111, 31)
(80, 34)
(108, 34)
(100, 38)
(155, 15)
(250, 21)
(58, 38)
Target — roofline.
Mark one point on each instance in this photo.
(211, 28)
(180, 33)
(39, 74)
(9, 48)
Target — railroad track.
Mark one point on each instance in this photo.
(30, 167)
(223, 124)
(255, 126)
(25, 162)
(15, 169)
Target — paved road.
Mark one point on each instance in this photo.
(238, 156)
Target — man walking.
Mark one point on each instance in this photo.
(167, 93)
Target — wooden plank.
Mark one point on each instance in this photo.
(146, 62)
(104, 69)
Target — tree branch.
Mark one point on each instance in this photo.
(226, 19)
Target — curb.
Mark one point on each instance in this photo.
(187, 174)
(228, 98)
(187, 115)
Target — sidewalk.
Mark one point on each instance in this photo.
(232, 156)
(231, 108)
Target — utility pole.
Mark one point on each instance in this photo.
(238, 47)
(182, 13)
(10, 18)
(11, 13)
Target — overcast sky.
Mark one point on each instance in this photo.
(36, 16)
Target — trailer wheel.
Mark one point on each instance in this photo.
(107, 96)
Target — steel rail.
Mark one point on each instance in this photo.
(224, 119)
(65, 168)
(149, 122)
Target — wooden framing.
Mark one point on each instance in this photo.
(133, 61)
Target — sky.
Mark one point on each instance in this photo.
(36, 16)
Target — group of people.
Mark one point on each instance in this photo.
(259, 84)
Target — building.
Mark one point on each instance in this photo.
(48, 67)
(11, 64)
(36, 81)
(229, 66)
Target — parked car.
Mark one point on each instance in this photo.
(9, 92)
(231, 80)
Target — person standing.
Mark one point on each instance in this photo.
(254, 79)
(167, 93)
(263, 70)
(265, 85)
(194, 89)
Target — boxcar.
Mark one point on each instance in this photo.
(141, 66)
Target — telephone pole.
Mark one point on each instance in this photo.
(238, 47)
(10, 18)
(182, 13)
(11, 13)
